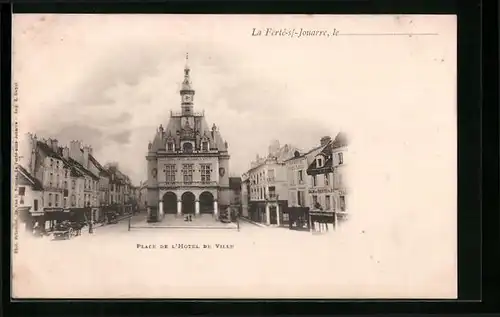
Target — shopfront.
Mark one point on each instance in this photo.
(297, 218)
(51, 216)
(320, 220)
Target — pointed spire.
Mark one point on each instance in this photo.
(186, 84)
(186, 92)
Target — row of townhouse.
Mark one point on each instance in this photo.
(53, 179)
(289, 178)
(264, 187)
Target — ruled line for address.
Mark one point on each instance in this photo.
(386, 34)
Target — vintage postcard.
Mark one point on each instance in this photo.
(234, 156)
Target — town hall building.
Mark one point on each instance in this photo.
(187, 163)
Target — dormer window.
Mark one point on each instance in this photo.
(341, 158)
(170, 146)
(319, 162)
(187, 147)
(204, 146)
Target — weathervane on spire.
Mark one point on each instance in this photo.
(186, 67)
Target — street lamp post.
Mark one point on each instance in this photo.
(91, 230)
(238, 220)
(129, 220)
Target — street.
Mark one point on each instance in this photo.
(188, 263)
(116, 262)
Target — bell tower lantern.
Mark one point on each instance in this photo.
(187, 92)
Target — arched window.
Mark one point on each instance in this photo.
(187, 147)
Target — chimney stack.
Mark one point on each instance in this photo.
(324, 140)
(74, 150)
(65, 152)
(55, 146)
(86, 150)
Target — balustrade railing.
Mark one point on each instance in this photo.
(193, 183)
(180, 151)
(179, 113)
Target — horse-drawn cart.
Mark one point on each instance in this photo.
(111, 217)
(66, 230)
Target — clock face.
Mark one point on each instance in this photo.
(187, 98)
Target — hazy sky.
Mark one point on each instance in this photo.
(110, 81)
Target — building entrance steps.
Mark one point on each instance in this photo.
(179, 221)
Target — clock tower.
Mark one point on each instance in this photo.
(187, 93)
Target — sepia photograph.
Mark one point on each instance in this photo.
(234, 156)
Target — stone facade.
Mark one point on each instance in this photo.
(340, 160)
(187, 163)
(298, 181)
(327, 188)
(71, 179)
(267, 189)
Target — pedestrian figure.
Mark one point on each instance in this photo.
(190, 217)
(36, 230)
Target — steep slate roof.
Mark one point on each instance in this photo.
(340, 141)
(83, 169)
(301, 155)
(119, 177)
(50, 152)
(37, 185)
(47, 149)
(61, 157)
(102, 170)
(313, 169)
(200, 125)
(76, 169)
(75, 173)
